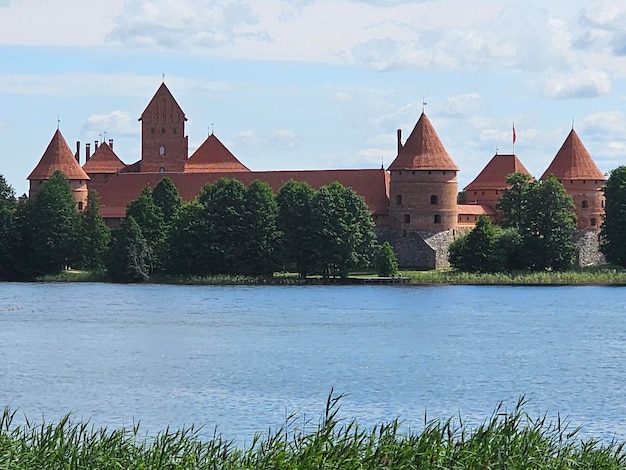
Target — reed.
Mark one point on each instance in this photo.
(507, 440)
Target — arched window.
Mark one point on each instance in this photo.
(434, 199)
(162, 150)
(593, 222)
(398, 199)
(585, 204)
(161, 170)
(407, 218)
(80, 206)
(437, 219)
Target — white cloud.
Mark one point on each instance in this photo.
(115, 123)
(583, 84)
(284, 139)
(604, 122)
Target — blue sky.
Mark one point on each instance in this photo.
(310, 84)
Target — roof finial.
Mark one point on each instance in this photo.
(497, 150)
(163, 79)
(382, 162)
(211, 129)
(423, 104)
(58, 122)
(572, 122)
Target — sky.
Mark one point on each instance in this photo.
(317, 84)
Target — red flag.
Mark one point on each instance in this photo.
(514, 134)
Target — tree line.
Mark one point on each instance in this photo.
(228, 229)
(536, 221)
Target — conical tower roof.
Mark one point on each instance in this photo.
(573, 162)
(104, 160)
(213, 155)
(493, 176)
(58, 156)
(423, 150)
(163, 93)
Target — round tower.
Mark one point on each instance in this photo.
(582, 179)
(58, 156)
(423, 183)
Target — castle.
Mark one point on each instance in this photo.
(413, 203)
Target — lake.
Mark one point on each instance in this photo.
(241, 359)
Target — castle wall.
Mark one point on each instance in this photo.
(589, 201)
(419, 250)
(423, 200)
(588, 248)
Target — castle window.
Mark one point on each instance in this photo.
(584, 181)
(429, 172)
(407, 218)
(399, 199)
(163, 130)
(585, 204)
(152, 131)
(174, 130)
(437, 219)
(162, 150)
(593, 222)
(80, 206)
(413, 172)
(475, 193)
(434, 199)
(444, 172)
(161, 170)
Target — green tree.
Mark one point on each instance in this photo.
(95, 235)
(613, 230)
(259, 252)
(512, 205)
(547, 226)
(479, 250)
(53, 224)
(186, 247)
(294, 221)
(8, 240)
(386, 260)
(167, 198)
(461, 197)
(224, 214)
(129, 259)
(149, 218)
(342, 230)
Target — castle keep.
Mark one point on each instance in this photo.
(413, 203)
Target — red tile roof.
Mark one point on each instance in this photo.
(493, 176)
(163, 92)
(213, 155)
(475, 209)
(58, 156)
(423, 150)
(104, 160)
(573, 162)
(372, 185)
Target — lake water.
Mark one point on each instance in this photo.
(242, 358)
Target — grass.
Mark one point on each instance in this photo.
(593, 275)
(508, 440)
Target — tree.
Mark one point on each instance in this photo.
(186, 246)
(52, 223)
(8, 205)
(547, 226)
(259, 253)
(512, 205)
(613, 230)
(480, 250)
(149, 218)
(224, 214)
(342, 230)
(386, 260)
(95, 235)
(167, 198)
(294, 221)
(129, 259)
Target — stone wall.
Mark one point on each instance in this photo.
(419, 250)
(588, 248)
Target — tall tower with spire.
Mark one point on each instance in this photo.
(582, 179)
(423, 183)
(164, 145)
